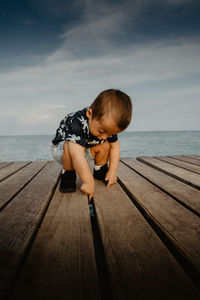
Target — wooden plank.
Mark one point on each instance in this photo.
(20, 219)
(188, 159)
(194, 156)
(181, 164)
(62, 263)
(140, 266)
(186, 176)
(11, 169)
(13, 184)
(180, 226)
(184, 193)
(4, 164)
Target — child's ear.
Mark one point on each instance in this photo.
(89, 113)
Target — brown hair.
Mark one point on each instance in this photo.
(113, 102)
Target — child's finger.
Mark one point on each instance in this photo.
(109, 183)
(90, 198)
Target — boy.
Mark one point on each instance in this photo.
(92, 132)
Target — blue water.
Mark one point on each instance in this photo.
(133, 144)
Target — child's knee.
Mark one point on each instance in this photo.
(65, 147)
(106, 146)
(100, 149)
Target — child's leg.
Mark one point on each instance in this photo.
(101, 153)
(68, 177)
(66, 158)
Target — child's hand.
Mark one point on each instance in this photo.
(88, 189)
(111, 178)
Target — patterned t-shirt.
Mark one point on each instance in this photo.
(75, 128)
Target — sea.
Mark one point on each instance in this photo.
(132, 144)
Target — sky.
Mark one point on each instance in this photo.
(56, 56)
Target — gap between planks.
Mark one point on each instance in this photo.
(173, 238)
(179, 173)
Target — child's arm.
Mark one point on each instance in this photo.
(81, 166)
(113, 163)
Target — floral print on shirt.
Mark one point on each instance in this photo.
(75, 128)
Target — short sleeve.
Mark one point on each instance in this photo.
(113, 138)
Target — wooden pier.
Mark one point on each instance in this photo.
(139, 239)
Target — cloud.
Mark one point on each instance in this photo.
(137, 64)
(44, 94)
(96, 32)
(42, 113)
(106, 27)
(90, 60)
(31, 119)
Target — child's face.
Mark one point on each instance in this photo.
(103, 128)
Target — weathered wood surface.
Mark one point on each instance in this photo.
(4, 164)
(180, 163)
(177, 172)
(20, 219)
(167, 214)
(140, 266)
(189, 159)
(143, 241)
(170, 185)
(11, 169)
(62, 263)
(194, 156)
(13, 184)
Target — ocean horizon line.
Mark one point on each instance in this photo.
(124, 132)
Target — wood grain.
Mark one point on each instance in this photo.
(181, 226)
(180, 163)
(4, 164)
(11, 169)
(139, 264)
(151, 242)
(188, 159)
(20, 219)
(13, 184)
(186, 194)
(195, 156)
(62, 264)
(183, 175)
